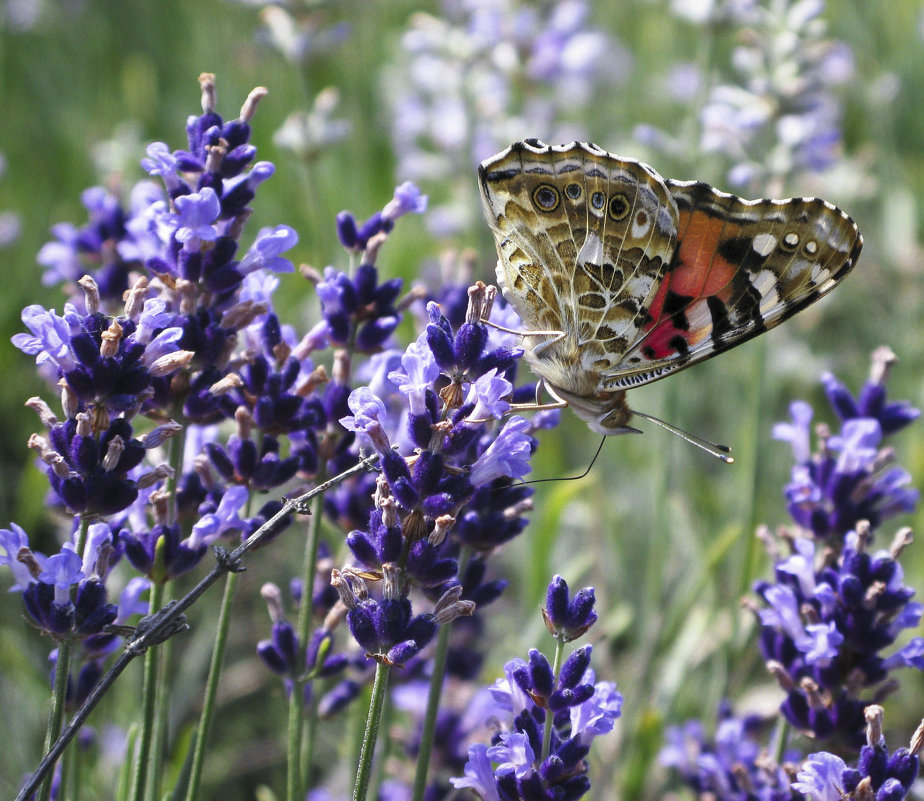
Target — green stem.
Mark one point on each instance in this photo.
(549, 714)
(379, 767)
(58, 697)
(161, 711)
(780, 739)
(299, 767)
(433, 705)
(211, 687)
(62, 669)
(433, 696)
(207, 715)
(376, 703)
(148, 707)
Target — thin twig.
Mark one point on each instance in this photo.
(159, 626)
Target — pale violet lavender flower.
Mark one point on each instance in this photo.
(13, 540)
(264, 252)
(195, 214)
(307, 134)
(488, 393)
(777, 112)
(481, 75)
(878, 774)
(508, 455)
(225, 518)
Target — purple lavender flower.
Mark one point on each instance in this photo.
(359, 311)
(565, 617)
(195, 214)
(878, 774)
(387, 629)
(61, 598)
(355, 236)
(508, 455)
(89, 470)
(283, 654)
(852, 477)
(826, 624)
(872, 403)
(734, 766)
(513, 766)
(14, 540)
(91, 249)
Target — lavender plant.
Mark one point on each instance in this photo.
(481, 75)
(778, 112)
(825, 620)
(195, 343)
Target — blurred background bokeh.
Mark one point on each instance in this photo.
(772, 97)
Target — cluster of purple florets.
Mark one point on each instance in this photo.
(545, 721)
(834, 606)
(830, 618)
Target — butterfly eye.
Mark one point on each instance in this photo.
(573, 191)
(597, 200)
(546, 197)
(619, 207)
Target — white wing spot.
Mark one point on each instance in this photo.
(641, 224)
(791, 239)
(591, 251)
(764, 244)
(765, 282)
(811, 247)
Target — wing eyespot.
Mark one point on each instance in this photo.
(789, 242)
(574, 191)
(810, 248)
(619, 207)
(598, 200)
(546, 197)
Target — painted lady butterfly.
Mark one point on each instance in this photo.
(623, 277)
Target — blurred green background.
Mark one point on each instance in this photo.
(664, 533)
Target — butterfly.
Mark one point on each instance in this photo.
(623, 277)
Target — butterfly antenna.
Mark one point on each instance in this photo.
(721, 452)
(570, 478)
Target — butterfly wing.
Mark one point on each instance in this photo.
(740, 268)
(584, 239)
